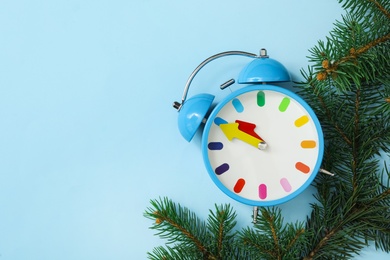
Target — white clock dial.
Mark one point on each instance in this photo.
(262, 145)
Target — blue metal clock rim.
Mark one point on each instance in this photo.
(210, 120)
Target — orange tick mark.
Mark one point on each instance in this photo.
(302, 167)
(308, 144)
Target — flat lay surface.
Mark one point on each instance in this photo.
(88, 135)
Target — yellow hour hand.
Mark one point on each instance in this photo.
(231, 131)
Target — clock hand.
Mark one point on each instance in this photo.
(248, 128)
(231, 130)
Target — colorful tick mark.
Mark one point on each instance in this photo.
(300, 166)
(239, 185)
(285, 185)
(262, 191)
(308, 144)
(260, 98)
(215, 146)
(222, 169)
(284, 104)
(219, 121)
(238, 105)
(301, 121)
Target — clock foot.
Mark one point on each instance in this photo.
(255, 212)
(326, 172)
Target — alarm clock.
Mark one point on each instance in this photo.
(262, 144)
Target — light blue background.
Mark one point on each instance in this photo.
(88, 135)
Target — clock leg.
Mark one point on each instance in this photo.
(255, 212)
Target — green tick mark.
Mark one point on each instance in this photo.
(260, 98)
(284, 104)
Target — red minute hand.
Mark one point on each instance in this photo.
(249, 128)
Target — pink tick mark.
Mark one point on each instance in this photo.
(263, 191)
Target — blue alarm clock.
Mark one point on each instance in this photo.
(262, 144)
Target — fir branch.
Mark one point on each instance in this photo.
(349, 230)
(270, 221)
(381, 8)
(383, 196)
(333, 68)
(355, 122)
(356, 6)
(300, 232)
(272, 239)
(342, 211)
(220, 226)
(321, 244)
(257, 243)
(177, 224)
(347, 55)
(263, 240)
(192, 238)
(356, 143)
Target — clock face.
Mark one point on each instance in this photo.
(262, 145)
